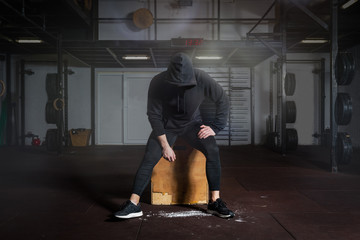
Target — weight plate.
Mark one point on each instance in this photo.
(343, 109)
(50, 113)
(2, 88)
(291, 139)
(351, 66)
(271, 140)
(52, 139)
(290, 112)
(52, 85)
(344, 68)
(290, 84)
(343, 148)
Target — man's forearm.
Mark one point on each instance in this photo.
(167, 151)
(163, 141)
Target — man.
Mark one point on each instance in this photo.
(174, 99)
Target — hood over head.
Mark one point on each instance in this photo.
(180, 71)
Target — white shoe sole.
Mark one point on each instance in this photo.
(219, 214)
(131, 215)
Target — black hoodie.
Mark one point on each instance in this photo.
(175, 96)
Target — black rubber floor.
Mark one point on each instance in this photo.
(72, 196)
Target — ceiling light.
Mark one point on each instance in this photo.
(28, 40)
(314, 41)
(208, 57)
(136, 57)
(348, 4)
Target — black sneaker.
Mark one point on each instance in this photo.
(129, 210)
(219, 209)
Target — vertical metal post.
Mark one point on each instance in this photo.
(155, 20)
(229, 116)
(282, 80)
(66, 108)
(95, 22)
(271, 106)
(322, 100)
(60, 94)
(218, 21)
(333, 83)
(92, 106)
(22, 101)
(9, 126)
(252, 105)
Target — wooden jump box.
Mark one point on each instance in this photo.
(182, 181)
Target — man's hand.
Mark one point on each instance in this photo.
(169, 154)
(205, 132)
(167, 151)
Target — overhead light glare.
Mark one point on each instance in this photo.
(314, 41)
(136, 57)
(29, 40)
(208, 57)
(348, 4)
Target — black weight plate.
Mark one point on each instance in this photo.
(271, 140)
(290, 84)
(52, 139)
(343, 148)
(343, 109)
(2, 88)
(291, 139)
(340, 68)
(344, 68)
(290, 112)
(50, 113)
(351, 68)
(52, 85)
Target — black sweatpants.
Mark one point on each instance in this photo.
(153, 153)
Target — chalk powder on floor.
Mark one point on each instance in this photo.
(183, 214)
(192, 213)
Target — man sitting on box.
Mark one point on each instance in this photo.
(174, 99)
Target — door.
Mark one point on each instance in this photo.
(109, 109)
(136, 125)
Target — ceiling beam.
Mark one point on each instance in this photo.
(115, 57)
(229, 56)
(310, 14)
(153, 57)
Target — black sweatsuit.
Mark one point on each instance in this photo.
(174, 99)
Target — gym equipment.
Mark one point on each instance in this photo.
(52, 85)
(271, 140)
(290, 84)
(291, 139)
(343, 109)
(344, 68)
(290, 112)
(2, 88)
(180, 182)
(52, 139)
(343, 148)
(142, 18)
(51, 115)
(58, 104)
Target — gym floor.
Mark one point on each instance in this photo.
(71, 196)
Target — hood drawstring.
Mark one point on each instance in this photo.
(178, 101)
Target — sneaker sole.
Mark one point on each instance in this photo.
(219, 214)
(131, 215)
